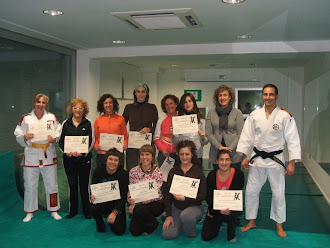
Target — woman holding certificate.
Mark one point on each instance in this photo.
(145, 197)
(39, 156)
(142, 117)
(184, 212)
(76, 142)
(162, 137)
(224, 125)
(224, 178)
(188, 106)
(110, 171)
(109, 123)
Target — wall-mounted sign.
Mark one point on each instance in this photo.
(197, 94)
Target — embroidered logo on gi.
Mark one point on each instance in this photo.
(276, 127)
(53, 200)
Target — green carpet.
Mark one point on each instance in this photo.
(307, 224)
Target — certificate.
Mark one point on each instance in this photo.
(76, 144)
(104, 192)
(144, 191)
(108, 141)
(186, 186)
(232, 199)
(41, 131)
(136, 139)
(166, 167)
(185, 124)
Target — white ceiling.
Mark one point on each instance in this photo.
(88, 24)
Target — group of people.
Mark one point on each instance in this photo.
(265, 132)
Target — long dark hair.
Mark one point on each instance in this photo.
(195, 110)
(192, 147)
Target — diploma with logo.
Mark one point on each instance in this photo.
(108, 141)
(136, 139)
(41, 131)
(186, 186)
(185, 124)
(232, 199)
(143, 191)
(104, 192)
(76, 144)
(166, 167)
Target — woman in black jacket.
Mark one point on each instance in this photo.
(78, 165)
(115, 210)
(224, 178)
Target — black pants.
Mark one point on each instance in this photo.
(78, 171)
(118, 227)
(144, 217)
(132, 156)
(211, 226)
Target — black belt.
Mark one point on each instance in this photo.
(270, 155)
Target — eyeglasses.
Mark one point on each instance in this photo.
(78, 108)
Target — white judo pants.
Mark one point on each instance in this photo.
(256, 179)
(31, 180)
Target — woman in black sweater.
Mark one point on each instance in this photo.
(115, 210)
(224, 178)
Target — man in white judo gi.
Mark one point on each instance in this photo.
(266, 131)
(39, 157)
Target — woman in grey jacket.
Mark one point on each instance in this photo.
(224, 125)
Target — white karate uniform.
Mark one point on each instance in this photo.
(35, 162)
(280, 127)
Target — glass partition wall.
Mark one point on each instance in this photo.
(26, 70)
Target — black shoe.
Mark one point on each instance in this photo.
(101, 228)
(70, 216)
(88, 216)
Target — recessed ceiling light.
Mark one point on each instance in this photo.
(233, 1)
(244, 36)
(53, 12)
(175, 65)
(118, 42)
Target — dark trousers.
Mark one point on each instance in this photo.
(132, 156)
(211, 226)
(101, 157)
(118, 227)
(144, 217)
(78, 171)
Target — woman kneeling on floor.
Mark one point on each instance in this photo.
(184, 212)
(224, 178)
(115, 210)
(144, 212)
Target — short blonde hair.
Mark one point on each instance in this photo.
(223, 88)
(76, 101)
(38, 96)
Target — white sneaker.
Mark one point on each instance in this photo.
(28, 217)
(56, 216)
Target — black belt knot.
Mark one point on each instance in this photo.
(270, 155)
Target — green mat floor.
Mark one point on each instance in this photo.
(308, 222)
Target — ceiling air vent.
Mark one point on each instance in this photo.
(160, 19)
